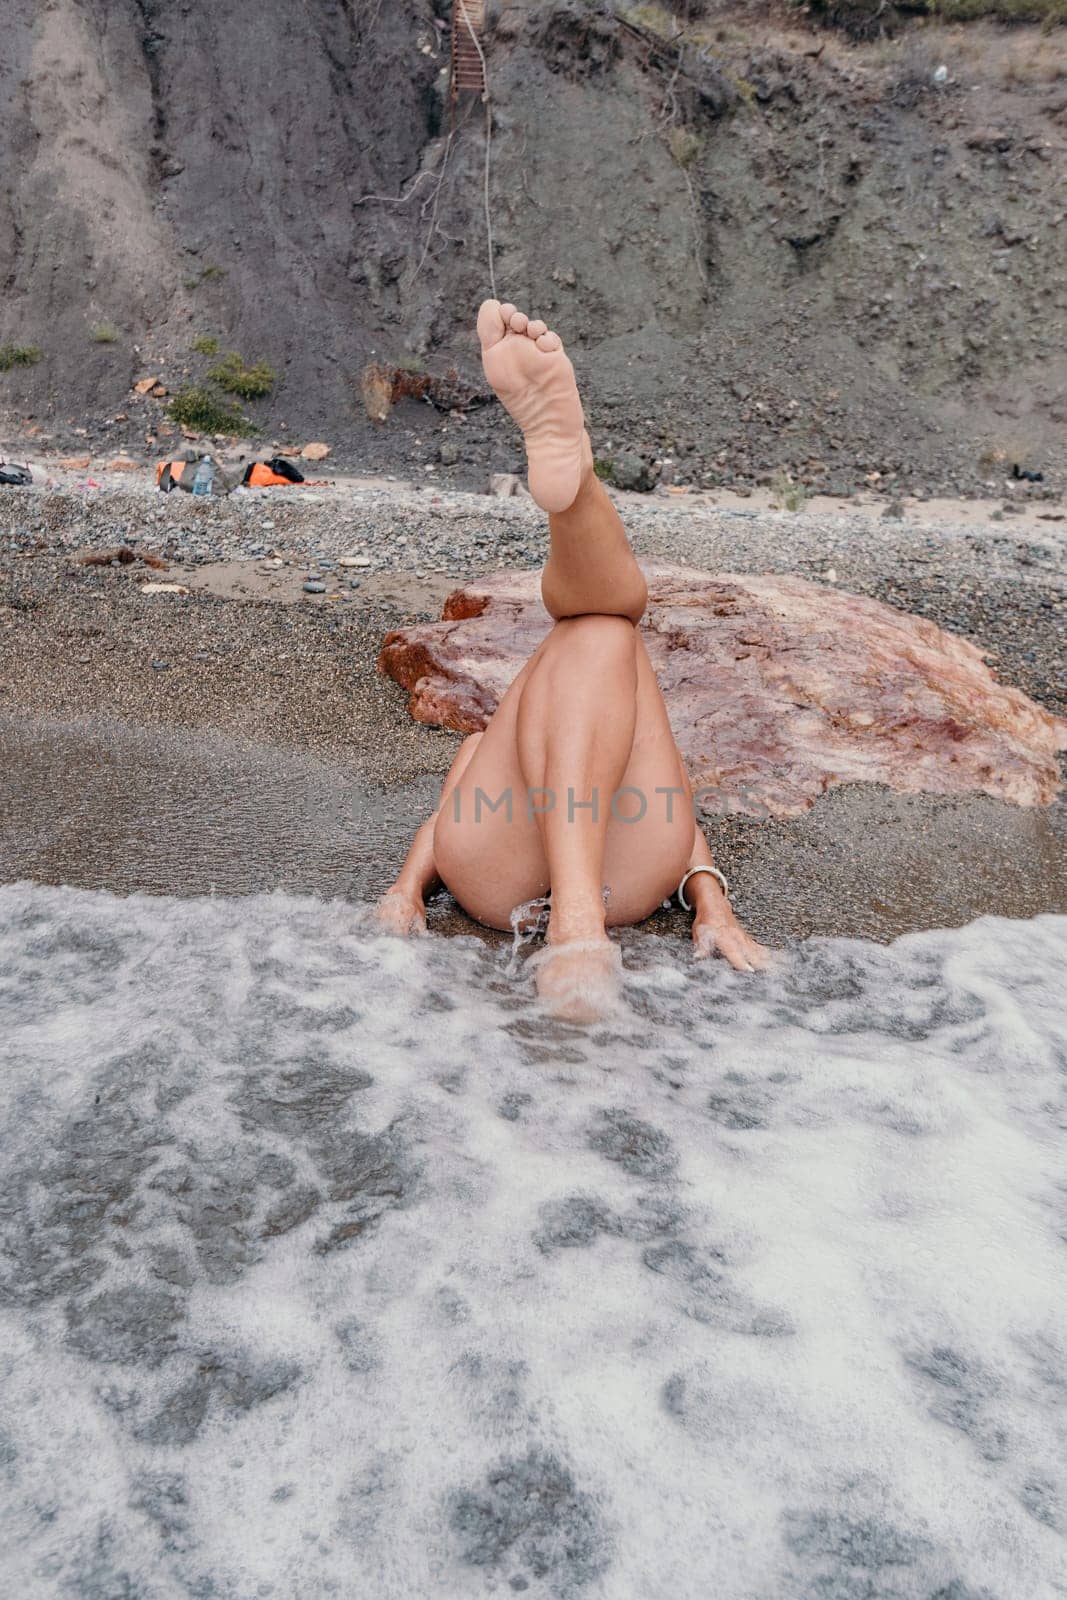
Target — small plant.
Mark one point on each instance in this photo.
(205, 275)
(206, 345)
(684, 146)
(18, 355)
(103, 333)
(201, 409)
(602, 467)
(235, 376)
(789, 496)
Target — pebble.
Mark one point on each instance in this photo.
(314, 588)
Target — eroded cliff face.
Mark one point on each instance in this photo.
(769, 248)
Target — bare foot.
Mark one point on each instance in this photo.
(529, 369)
(579, 981)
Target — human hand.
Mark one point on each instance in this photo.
(720, 932)
(400, 912)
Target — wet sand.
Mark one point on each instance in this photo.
(100, 804)
(240, 738)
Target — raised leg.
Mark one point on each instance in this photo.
(590, 566)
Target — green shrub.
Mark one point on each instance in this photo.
(205, 275)
(789, 495)
(103, 333)
(236, 377)
(684, 146)
(201, 409)
(872, 19)
(206, 345)
(18, 355)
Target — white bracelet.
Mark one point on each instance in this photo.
(715, 873)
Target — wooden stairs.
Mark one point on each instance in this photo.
(468, 73)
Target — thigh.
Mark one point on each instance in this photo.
(651, 831)
(487, 845)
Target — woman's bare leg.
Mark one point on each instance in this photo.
(590, 567)
(574, 731)
(575, 720)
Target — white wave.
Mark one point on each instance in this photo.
(331, 1268)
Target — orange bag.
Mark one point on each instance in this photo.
(262, 477)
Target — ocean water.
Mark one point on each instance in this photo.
(329, 1267)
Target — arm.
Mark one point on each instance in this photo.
(714, 925)
(402, 908)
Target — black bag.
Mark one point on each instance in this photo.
(18, 476)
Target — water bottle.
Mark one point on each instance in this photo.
(204, 476)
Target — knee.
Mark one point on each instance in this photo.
(629, 596)
(597, 639)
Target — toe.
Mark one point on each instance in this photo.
(491, 325)
(536, 328)
(507, 311)
(549, 342)
(518, 322)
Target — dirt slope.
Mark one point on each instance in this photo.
(772, 248)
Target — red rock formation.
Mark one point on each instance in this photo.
(777, 689)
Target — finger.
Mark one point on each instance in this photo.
(734, 948)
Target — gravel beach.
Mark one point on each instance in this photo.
(275, 646)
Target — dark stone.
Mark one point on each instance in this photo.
(300, 1099)
(640, 1149)
(530, 1507)
(864, 1543)
(573, 1223)
(293, 1209)
(127, 1324)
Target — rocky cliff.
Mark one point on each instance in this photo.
(772, 247)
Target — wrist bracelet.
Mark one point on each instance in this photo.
(715, 873)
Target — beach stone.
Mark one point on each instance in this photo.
(316, 451)
(777, 689)
(314, 588)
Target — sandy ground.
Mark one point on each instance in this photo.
(233, 730)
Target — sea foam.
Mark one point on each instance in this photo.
(330, 1267)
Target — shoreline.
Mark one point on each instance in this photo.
(246, 692)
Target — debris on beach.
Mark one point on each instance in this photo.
(316, 451)
(181, 473)
(777, 689)
(277, 473)
(122, 554)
